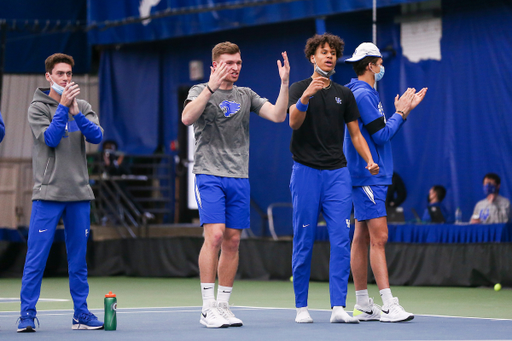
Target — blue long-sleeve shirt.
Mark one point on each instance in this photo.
(60, 123)
(2, 128)
(377, 132)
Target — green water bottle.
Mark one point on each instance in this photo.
(110, 311)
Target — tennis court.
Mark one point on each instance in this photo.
(169, 308)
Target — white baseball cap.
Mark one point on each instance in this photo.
(364, 50)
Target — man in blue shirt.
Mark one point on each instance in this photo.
(369, 192)
(435, 198)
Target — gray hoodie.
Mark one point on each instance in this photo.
(60, 173)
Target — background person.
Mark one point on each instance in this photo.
(435, 197)
(494, 208)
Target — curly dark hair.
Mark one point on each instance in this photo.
(360, 66)
(317, 40)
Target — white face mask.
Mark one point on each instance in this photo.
(58, 89)
(326, 74)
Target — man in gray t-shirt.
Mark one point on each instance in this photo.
(220, 111)
(494, 208)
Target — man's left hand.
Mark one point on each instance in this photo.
(73, 109)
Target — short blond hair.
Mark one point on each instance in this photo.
(224, 48)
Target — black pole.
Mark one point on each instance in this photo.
(3, 30)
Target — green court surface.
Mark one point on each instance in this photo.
(180, 292)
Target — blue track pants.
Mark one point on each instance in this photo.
(330, 192)
(43, 223)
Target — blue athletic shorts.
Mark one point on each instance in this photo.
(223, 200)
(369, 201)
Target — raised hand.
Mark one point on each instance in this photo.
(73, 109)
(284, 69)
(418, 97)
(315, 85)
(69, 94)
(217, 75)
(403, 103)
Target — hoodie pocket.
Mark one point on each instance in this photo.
(48, 170)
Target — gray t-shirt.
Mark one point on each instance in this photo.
(222, 131)
(493, 213)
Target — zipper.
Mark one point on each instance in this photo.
(45, 169)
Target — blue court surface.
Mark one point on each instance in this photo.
(182, 323)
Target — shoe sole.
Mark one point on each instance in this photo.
(85, 327)
(213, 326)
(27, 330)
(409, 318)
(343, 321)
(236, 325)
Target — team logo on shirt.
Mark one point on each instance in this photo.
(484, 214)
(229, 108)
(338, 100)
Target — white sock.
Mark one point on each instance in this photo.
(223, 293)
(362, 298)
(208, 293)
(387, 296)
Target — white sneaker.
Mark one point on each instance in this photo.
(303, 316)
(228, 314)
(339, 315)
(395, 313)
(369, 313)
(211, 317)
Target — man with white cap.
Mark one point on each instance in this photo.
(369, 192)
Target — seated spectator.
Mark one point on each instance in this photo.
(494, 208)
(396, 191)
(435, 196)
(113, 159)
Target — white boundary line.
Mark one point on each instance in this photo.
(182, 309)
(17, 299)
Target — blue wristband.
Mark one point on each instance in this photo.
(300, 106)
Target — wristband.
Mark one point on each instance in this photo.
(210, 88)
(300, 106)
(400, 112)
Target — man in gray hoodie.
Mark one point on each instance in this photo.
(60, 124)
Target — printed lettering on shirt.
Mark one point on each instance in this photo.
(338, 100)
(381, 110)
(229, 108)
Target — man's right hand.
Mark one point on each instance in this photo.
(69, 94)
(217, 75)
(315, 85)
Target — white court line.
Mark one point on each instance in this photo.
(150, 310)
(16, 299)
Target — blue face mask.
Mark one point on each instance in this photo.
(489, 189)
(58, 89)
(378, 76)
